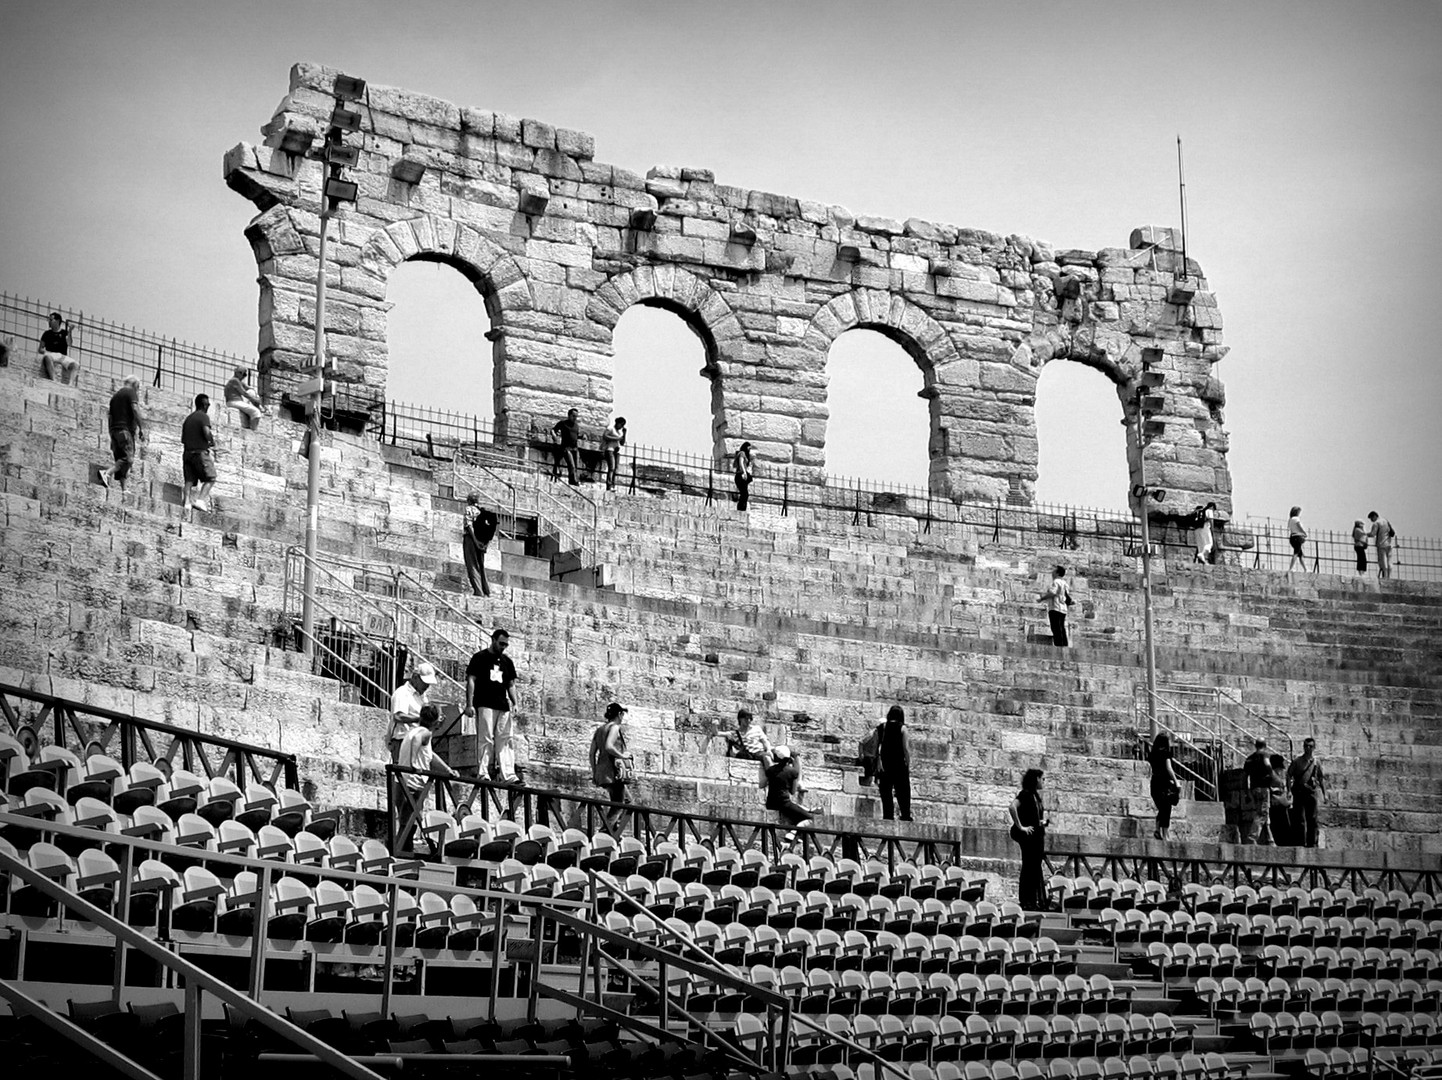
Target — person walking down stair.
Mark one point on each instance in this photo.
(197, 461)
(127, 426)
(490, 700)
(1297, 537)
(477, 530)
(893, 773)
(568, 431)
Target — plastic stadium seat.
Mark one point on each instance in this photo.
(330, 914)
(196, 907)
(256, 807)
(150, 890)
(234, 838)
(139, 787)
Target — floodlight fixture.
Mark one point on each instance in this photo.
(1151, 429)
(296, 140)
(408, 170)
(1182, 292)
(1153, 403)
(345, 119)
(349, 88)
(1150, 380)
(339, 155)
(341, 190)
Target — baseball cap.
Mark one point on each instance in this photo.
(426, 672)
(781, 753)
(614, 710)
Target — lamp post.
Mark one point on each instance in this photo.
(335, 190)
(1145, 403)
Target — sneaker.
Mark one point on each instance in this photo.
(103, 475)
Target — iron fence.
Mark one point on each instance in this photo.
(115, 349)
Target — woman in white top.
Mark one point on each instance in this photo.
(1297, 537)
(1203, 533)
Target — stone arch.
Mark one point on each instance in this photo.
(702, 308)
(923, 338)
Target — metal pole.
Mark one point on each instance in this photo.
(312, 488)
(1151, 654)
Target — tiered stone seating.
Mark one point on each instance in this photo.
(819, 623)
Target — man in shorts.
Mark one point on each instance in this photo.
(55, 359)
(127, 425)
(197, 442)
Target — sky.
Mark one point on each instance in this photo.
(1312, 166)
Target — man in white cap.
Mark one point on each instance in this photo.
(406, 704)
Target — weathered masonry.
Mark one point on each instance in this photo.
(559, 245)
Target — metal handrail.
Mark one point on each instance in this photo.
(1266, 722)
(369, 604)
(1220, 694)
(197, 979)
(562, 519)
(706, 958)
(1197, 778)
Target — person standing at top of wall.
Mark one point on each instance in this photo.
(1359, 544)
(893, 760)
(197, 461)
(127, 426)
(1382, 535)
(1057, 597)
(490, 700)
(1297, 537)
(478, 528)
(1203, 532)
(745, 473)
(612, 439)
(568, 431)
(55, 359)
(240, 397)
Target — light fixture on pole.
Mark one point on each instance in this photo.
(1144, 403)
(335, 190)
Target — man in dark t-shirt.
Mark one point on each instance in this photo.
(55, 359)
(197, 442)
(490, 698)
(127, 424)
(569, 432)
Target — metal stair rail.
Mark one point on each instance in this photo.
(358, 615)
(1190, 732)
(573, 519)
(198, 982)
(1198, 715)
(719, 971)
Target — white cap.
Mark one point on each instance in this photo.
(781, 753)
(426, 672)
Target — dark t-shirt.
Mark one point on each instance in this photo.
(891, 747)
(493, 674)
(1258, 770)
(123, 408)
(56, 341)
(195, 433)
(569, 431)
(781, 780)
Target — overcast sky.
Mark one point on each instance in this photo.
(1312, 151)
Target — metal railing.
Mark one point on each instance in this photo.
(87, 729)
(386, 623)
(1197, 719)
(116, 350)
(572, 518)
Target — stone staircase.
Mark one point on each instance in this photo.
(819, 625)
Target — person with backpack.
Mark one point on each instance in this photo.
(1057, 597)
(478, 529)
(613, 767)
(893, 765)
(1306, 782)
(1382, 535)
(1256, 813)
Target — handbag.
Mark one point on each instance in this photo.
(625, 771)
(1174, 794)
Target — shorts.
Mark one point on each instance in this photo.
(1297, 542)
(199, 467)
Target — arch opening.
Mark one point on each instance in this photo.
(1081, 438)
(883, 417)
(437, 337)
(664, 380)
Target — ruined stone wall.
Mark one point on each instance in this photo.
(560, 245)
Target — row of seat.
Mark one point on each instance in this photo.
(1210, 1066)
(1318, 995)
(1341, 1063)
(172, 789)
(1275, 1033)
(1082, 893)
(1008, 1039)
(1182, 961)
(1158, 924)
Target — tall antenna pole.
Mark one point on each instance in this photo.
(1182, 195)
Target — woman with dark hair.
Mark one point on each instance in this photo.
(745, 473)
(1028, 829)
(1166, 791)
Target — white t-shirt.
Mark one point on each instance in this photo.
(405, 703)
(1381, 533)
(1057, 594)
(416, 753)
(1295, 527)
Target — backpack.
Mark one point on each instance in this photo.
(868, 753)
